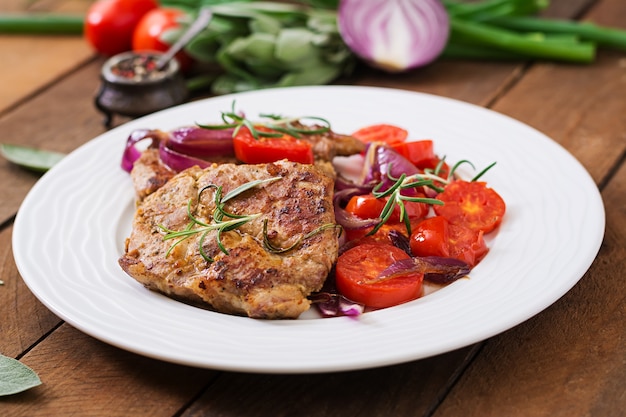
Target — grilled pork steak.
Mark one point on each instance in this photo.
(250, 279)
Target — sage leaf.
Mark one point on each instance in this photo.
(15, 376)
(34, 159)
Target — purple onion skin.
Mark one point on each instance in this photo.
(131, 153)
(381, 161)
(437, 270)
(199, 142)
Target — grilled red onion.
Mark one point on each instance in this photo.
(436, 269)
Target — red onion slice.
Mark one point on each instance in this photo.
(436, 269)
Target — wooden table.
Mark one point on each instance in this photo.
(569, 360)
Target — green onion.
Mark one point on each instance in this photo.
(587, 31)
(40, 24)
(506, 40)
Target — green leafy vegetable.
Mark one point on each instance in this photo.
(34, 159)
(15, 376)
(261, 44)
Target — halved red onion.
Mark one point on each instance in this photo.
(394, 35)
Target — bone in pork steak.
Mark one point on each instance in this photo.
(249, 280)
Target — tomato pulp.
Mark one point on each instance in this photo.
(357, 271)
(390, 134)
(471, 204)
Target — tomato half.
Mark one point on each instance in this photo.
(436, 236)
(148, 33)
(358, 268)
(251, 150)
(369, 207)
(390, 134)
(471, 204)
(466, 244)
(430, 238)
(109, 24)
(419, 152)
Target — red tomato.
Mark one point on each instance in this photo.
(109, 24)
(365, 206)
(250, 150)
(471, 204)
(466, 244)
(369, 207)
(431, 237)
(436, 236)
(390, 134)
(148, 33)
(358, 268)
(419, 152)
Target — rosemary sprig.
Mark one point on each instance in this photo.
(278, 125)
(430, 178)
(219, 224)
(396, 198)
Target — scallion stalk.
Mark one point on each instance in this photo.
(506, 40)
(587, 31)
(40, 24)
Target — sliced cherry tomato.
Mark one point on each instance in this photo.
(390, 134)
(261, 150)
(365, 206)
(431, 237)
(358, 268)
(436, 236)
(419, 152)
(471, 204)
(109, 24)
(148, 33)
(369, 207)
(466, 244)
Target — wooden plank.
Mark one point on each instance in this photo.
(24, 320)
(31, 63)
(82, 376)
(61, 120)
(401, 390)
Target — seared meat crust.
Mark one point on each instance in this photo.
(249, 280)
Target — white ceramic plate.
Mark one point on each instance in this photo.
(71, 228)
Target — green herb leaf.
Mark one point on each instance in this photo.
(34, 159)
(15, 376)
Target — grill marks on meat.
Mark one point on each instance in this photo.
(249, 280)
